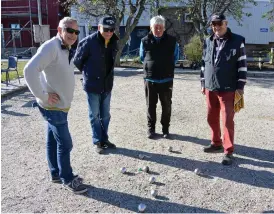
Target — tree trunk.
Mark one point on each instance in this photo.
(121, 44)
(118, 57)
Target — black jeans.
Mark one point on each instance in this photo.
(164, 91)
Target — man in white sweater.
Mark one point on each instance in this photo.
(50, 78)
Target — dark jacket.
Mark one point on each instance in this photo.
(96, 62)
(159, 56)
(224, 74)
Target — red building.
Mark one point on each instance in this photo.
(18, 18)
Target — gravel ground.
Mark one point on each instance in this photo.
(246, 186)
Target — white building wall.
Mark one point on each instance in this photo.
(255, 29)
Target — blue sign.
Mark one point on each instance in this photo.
(263, 29)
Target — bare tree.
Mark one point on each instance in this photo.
(200, 11)
(270, 14)
(119, 9)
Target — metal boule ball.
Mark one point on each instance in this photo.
(123, 170)
(146, 169)
(141, 156)
(142, 208)
(152, 180)
(154, 192)
(197, 171)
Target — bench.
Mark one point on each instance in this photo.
(259, 57)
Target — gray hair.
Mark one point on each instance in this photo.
(63, 22)
(158, 20)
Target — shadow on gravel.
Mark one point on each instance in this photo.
(5, 111)
(262, 82)
(255, 153)
(19, 96)
(258, 178)
(127, 73)
(131, 202)
(28, 104)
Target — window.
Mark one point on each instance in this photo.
(15, 30)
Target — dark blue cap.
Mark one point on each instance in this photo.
(107, 22)
(218, 17)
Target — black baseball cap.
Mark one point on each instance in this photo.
(107, 22)
(218, 17)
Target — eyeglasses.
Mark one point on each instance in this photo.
(216, 24)
(105, 29)
(71, 31)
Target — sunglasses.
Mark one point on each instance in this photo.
(216, 23)
(71, 31)
(108, 29)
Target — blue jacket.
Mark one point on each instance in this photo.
(227, 70)
(96, 62)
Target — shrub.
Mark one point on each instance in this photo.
(126, 58)
(137, 59)
(271, 57)
(194, 49)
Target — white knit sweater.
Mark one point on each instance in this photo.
(49, 71)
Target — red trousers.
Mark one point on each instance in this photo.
(221, 102)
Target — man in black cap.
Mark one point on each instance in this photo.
(223, 72)
(95, 58)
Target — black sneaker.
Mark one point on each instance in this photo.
(76, 186)
(166, 135)
(99, 148)
(151, 134)
(108, 144)
(55, 179)
(227, 160)
(211, 148)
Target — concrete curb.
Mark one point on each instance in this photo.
(259, 74)
(249, 74)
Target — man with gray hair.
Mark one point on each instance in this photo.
(223, 73)
(50, 78)
(159, 53)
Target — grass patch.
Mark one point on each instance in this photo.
(13, 74)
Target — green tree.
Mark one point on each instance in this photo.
(193, 50)
(200, 11)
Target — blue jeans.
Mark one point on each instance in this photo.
(59, 143)
(99, 115)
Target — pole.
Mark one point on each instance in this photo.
(39, 17)
(39, 12)
(31, 27)
(13, 42)
(272, 56)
